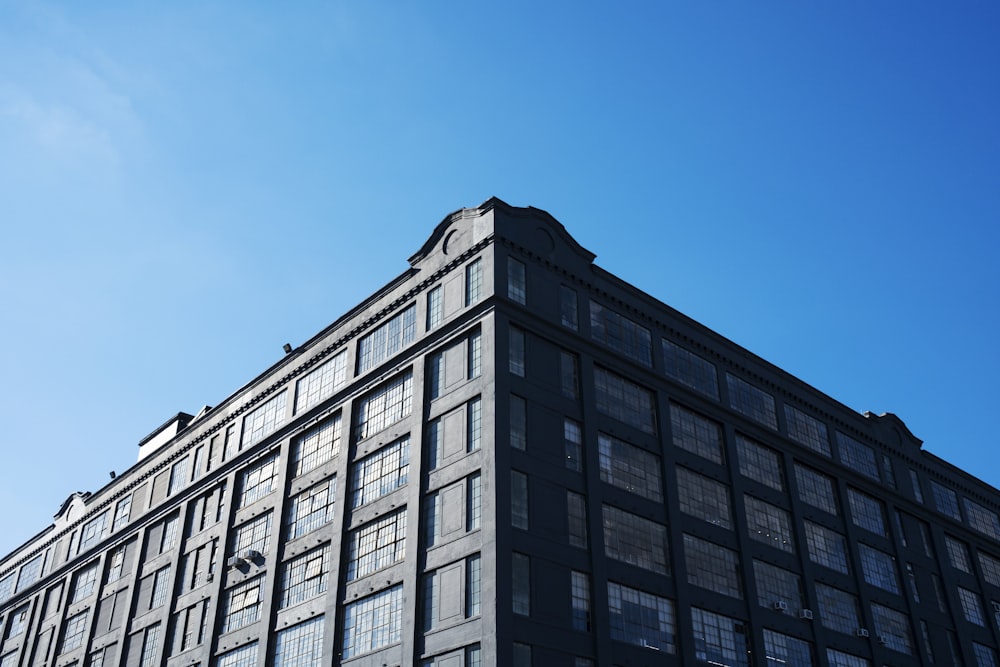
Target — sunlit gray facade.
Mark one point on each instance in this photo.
(509, 456)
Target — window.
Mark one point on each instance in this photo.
(169, 535)
(879, 568)
(311, 509)
(857, 456)
(815, 489)
(86, 581)
(719, 640)
(569, 374)
(635, 540)
(254, 534)
(473, 586)
(150, 646)
(918, 494)
(696, 434)
(516, 355)
(521, 655)
(259, 480)
(945, 501)
(385, 406)
(759, 463)
(443, 510)
(161, 584)
(982, 519)
(985, 655)
(567, 307)
(576, 513)
(122, 509)
(435, 308)
(262, 421)
(17, 622)
(387, 339)
(321, 383)
(624, 400)
(573, 444)
(73, 631)
(751, 402)
(178, 476)
(376, 545)
(769, 524)
(244, 656)
(380, 473)
(826, 547)
(473, 502)
(866, 512)
(888, 474)
(580, 594)
(443, 599)
(704, 498)
(972, 606)
(775, 584)
(783, 650)
(473, 657)
(241, 604)
(30, 573)
(712, 566)
(840, 659)
(519, 499)
(990, 566)
(807, 431)
(316, 446)
(628, 467)
(452, 365)
(690, 370)
(475, 355)
(300, 645)
(305, 576)
(373, 622)
(518, 422)
(116, 564)
(641, 618)
(893, 629)
(911, 578)
(838, 610)
(958, 554)
(473, 282)
(6, 587)
(928, 647)
(91, 533)
(621, 334)
(521, 584)
(516, 283)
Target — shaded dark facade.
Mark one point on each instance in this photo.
(508, 456)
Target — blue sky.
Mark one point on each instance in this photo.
(184, 187)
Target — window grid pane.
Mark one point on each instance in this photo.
(621, 334)
(311, 509)
(696, 434)
(690, 369)
(628, 467)
(751, 402)
(635, 540)
(321, 383)
(376, 545)
(388, 339)
(385, 406)
(624, 400)
(373, 622)
(316, 446)
(305, 577)
(381, 473)
(300, 645)
(704, 498)
(641, 618)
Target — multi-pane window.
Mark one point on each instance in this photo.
(305, 576)
(769, 524)
(311, 509)
(807, 430)
(253, 535)
(990, 566)
(759, 463)
(911, 580)
(86, 581)
(6, 587)
(473, 501)
(473, 586)
(316, 446)
(972, 606)
(985, 655)
(826, 547)
(567, 307)
(573, 444)
(73, 631)
(262, 421)
(636, 540)
(473, 282)
(893, 629)
(161, 585)
(385, 406)
(780, 649)
(519, 499)
(380, 473)
(10, 660)
(190, 626)
(696, 434)
(435, 307)
(879, 568)
(518, 422)
(122, 509)
(840, 659)
(838, 610)
(776, 585)
(259, 480)
(704, 498)
(690, 369)
(888, 474)
(474, 426)
(242, 603)
(928, 647)
(621, 334)
(918, 494)
(628, 467)
(516, 353)
(516, 281)
(945, 501)
(321, 383)
(580, 597)
(712, 566)
(982, 519)
(751, 402)
(387, 339)
(520, 567)
(376, 545)
(300, 645)
(178, 476)
(624, 400)
(521, 655)
(151, 646)
(244, 656)
(475, 360)
(857, 456)
(866, 512)
(17, 622)
(169, 536)
(719, 640)
(116, 564)
(576, 517)
(90, 534)
(815, 489)
(958, 554)
(569, 374)
(32, 571)
(638, 617)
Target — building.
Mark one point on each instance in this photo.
(508, 456)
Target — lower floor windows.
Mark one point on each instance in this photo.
(719, 640)
(638, 617)
(373, 622)
(300, 645)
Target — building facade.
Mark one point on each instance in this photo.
(509, 456)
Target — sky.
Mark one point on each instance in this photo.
(187, 186)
